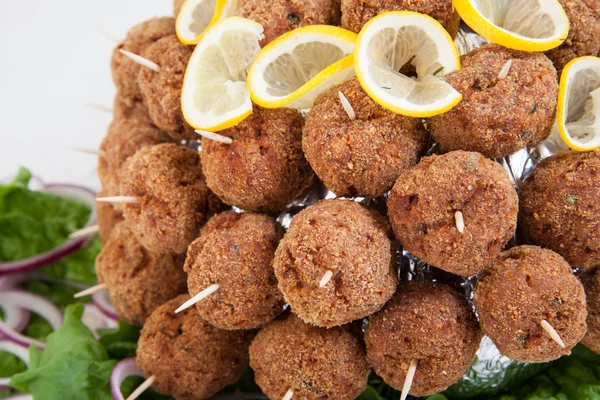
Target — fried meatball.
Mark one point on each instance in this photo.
(591, 284)
(525, 286)
(428, 322)
(365, 156)
(427, 200)
(108, 216)
(124, 70)
(137, 110)
(583, 35)
(356, 13)
(498, 117)
(173, 196)
(190, 359)
(342, 238)
(281, 16)
(161, 91)
(138, 280)
(264, 169)
(560, 207)
(236, 252)
(315, 363)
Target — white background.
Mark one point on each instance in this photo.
(54, 60)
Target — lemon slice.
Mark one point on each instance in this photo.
(295, 68)
(214, 95)
(393, 39)
(579, 104)
(528, 25)
(196, 16)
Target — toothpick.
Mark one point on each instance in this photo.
(119, 199)
(460, 221)
(108, 35)
(326, 278)
(94, 289)
(552, 332)
(197, 298)
(347, 106)
(215, 136)
(141, 60)
(504, 72)
(410, 374)
(93, 152)
(288, 395)
(85, 231)
(142, 388)
(100, 107)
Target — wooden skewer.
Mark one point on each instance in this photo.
(199, 297)
(85, 231)
(326, 278)
(410, 375)
(100, 107)
(93, 152)
(347, 106)
(142, 388)
(119, 199)
(288, 395)
(215, 136)
(94, 289)
(108, 35)
(505, 70)
(552, 332)
(460, 221)
(141, 60)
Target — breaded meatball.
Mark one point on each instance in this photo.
(264, 169)
(161, 91)
(365, 156)
(315, 363)
(108, 216)
(281, 16)
(173, 197)
(560, 207)
(591, 284)
(138, 280)
(356, 13)
(498, 117)
(427, 200)
(347, 240)
(236, 252)
(124, 70)
(137, 110)
(584, 32)
(428, 322)
(177, 7)
(190, 359)
(525, 286)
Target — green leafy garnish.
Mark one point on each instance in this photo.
(120, 342)
(78, 266)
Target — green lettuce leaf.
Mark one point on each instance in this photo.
(120, 342)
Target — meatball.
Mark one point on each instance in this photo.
(264, 169)
(138, 280)
(314, 363)
(356, 13)
(352, 245)
(190, 359)
(431, 202)
(525, 286)
(560, 207)
(365, 156)
(108, 217)
(428, 322)
(161, 91)
(499, 116)
(583, 35)
(591, 283)
(236, 252)
(137, 110)
(173, 196)
(281, 16)
(124, 70)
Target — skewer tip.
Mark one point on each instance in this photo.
(410, 375)
(197, 298)
(215, 136)
(347, 106)
(119, 199)
(460, 221)
(552, 332)
(94, 289)
(288, 395)
(85, 231)
(142, 388)
(141, 60)
(326, 278)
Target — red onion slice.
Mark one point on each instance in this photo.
(16, 318)
(95, 319)
(102, 301)
(122, 371)
(28, 301)
(14, 349)
(20, 396)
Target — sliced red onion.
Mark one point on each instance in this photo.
(20, 396)
(122, 371)
(102, 301)
(16, 318)
(32, 302)
(14, 349)
(95, 319)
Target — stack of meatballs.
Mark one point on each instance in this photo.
(312, 308)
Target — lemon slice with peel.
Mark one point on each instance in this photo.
(393, 39)
(528, 25)
(214, 95)
(295, 68)
(578, 114)
(196, 16)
